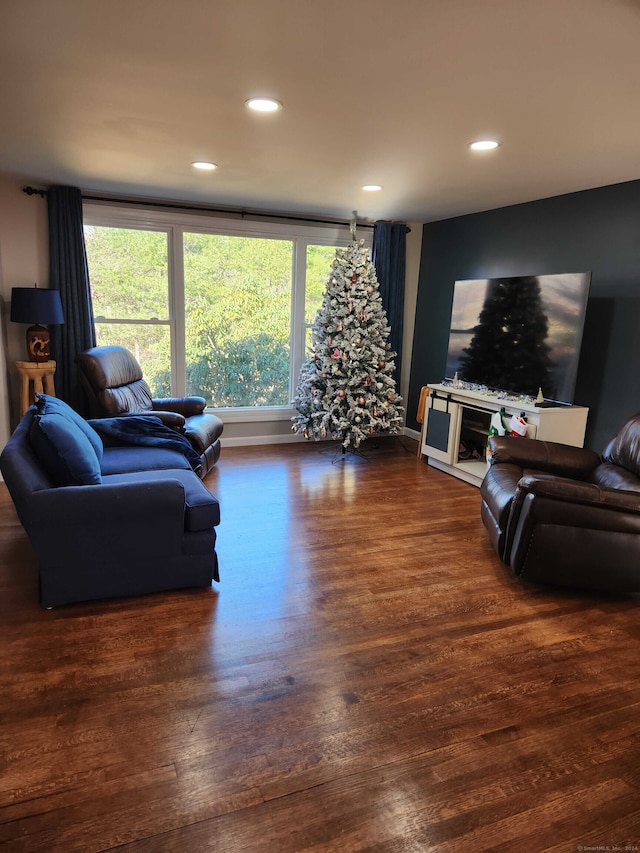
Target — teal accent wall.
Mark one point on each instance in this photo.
(596, 231)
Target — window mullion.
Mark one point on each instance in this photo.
(298, 330)
(176, 295)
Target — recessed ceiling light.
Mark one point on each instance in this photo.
(204, 165)
(372, 188)
(263, 105)
(484, 145)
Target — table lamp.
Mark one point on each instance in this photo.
(36, 306)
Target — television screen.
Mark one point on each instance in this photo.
(519, 334)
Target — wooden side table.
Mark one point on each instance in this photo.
(40, 373)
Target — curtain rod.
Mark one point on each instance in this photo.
(205, 209)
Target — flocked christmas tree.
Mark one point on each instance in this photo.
(346, 389)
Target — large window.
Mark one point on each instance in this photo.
(129, 273)
(237, 296)
(218, 308)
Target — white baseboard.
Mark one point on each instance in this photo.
(252, 440)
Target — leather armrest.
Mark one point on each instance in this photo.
(175, 420)
(186, 406)
(572, 491)
(551, 457)
(170, 419)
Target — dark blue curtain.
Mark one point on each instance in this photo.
(69, 273)
(389, 255)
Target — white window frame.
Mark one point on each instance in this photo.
(175, 223)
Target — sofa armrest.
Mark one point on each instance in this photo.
(171, 419)
(574, 534)
(185, 406)
(140, 516)
(548, 456)
(575, 492)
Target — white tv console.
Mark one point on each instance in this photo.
(455, 417)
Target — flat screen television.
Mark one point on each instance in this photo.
(519, 334)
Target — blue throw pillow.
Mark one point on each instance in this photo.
(64, 450)
(47, 405)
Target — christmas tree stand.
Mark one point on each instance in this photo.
(342, 453)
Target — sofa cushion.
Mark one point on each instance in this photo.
(64, 450)
(127, 460)
(143, 431)
(610, 476)
(135, 397)
(47, 405)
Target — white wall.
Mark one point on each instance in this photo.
(24, 260)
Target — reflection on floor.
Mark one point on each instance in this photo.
(365, 677)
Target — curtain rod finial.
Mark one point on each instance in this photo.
(33, 191)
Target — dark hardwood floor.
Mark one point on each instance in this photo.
(366, 677)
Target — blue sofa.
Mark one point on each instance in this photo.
(108, 517)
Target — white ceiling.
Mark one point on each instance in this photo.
(120, 96)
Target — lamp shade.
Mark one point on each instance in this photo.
(36, 305)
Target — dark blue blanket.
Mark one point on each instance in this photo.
(146, 432)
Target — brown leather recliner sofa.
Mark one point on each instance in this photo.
(565, 515)
(114, 385)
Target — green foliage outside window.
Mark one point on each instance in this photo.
(129, 273)
(237, 319)
(237, 299)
